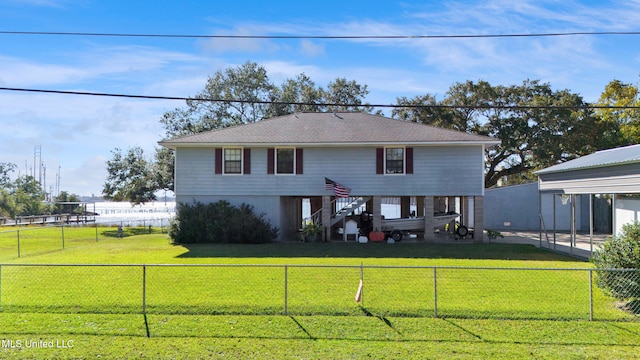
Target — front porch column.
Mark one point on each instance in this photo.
(464, 203)
(326, 218)
(429, 222)
(405, 206)
(478, 218)
(377, 212)
(420, 206)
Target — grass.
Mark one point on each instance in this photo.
(318, 337)
(483, 313)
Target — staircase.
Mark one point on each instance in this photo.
(347, 207)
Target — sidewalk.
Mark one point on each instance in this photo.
(562, 243)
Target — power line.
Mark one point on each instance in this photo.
(327, 37)
(269, 102)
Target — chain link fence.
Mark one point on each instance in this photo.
(448, 292)
(31, 240)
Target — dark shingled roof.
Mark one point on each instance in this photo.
(314, 128)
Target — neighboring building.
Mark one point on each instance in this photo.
(276, 163)
(517, 208)
(615, 172)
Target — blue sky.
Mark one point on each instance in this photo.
(77, 133)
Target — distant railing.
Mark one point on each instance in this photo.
(26, 240)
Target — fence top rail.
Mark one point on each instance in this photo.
(318, 266)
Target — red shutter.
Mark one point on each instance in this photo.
(270, 160)
(298, 161)
(379, 160)
(246, 166)
(218, 160)
(409, 158)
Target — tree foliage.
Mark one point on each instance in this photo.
(23, 196)
(28, 196)
(245, 95)
(130, 177)
(620, 252)
(242, 96)
(618, 126)
(5, 173)
(537, 126)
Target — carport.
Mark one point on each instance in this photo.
(613, 171)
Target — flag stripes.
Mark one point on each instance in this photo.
(337, 188)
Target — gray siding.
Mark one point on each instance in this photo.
(518, 208)
(438, 171)
(512, 208)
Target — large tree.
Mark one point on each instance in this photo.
(130, 177)
(28, 196)
(619, 125)
(23, 196)
(234, 96)
(5, 173)
(537, 126)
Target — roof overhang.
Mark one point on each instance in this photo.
(175, 145)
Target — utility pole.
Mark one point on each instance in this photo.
(43, 184)
(58, 182)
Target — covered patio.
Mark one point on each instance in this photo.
(613, 172)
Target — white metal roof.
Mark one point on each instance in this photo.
(604, 158)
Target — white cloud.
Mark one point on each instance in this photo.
(309, 48)
(240, 43)
(130, 62)
(16, 72)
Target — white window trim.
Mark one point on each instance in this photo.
(275, 160)
(404, 160)
(224, 161)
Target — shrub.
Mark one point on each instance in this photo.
(620, 252)
(220, 222)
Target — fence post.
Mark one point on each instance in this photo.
(96, 224)
(590, 294)
(286, 289)
(0, 288)
(435, 293)
(144, 289)
(62, 227)
(362, 282)
(18, 231)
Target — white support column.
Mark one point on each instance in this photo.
(420, 206)
(377, 212)
(478, 218)
(429, 222)
(590, 223)
(326, 218)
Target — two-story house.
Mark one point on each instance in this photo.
(275, 163)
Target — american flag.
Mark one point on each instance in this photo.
(338, 189)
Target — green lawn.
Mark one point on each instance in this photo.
(485, 308)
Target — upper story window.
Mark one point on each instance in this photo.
(285, 161)
(233, 161)
(394, 160)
